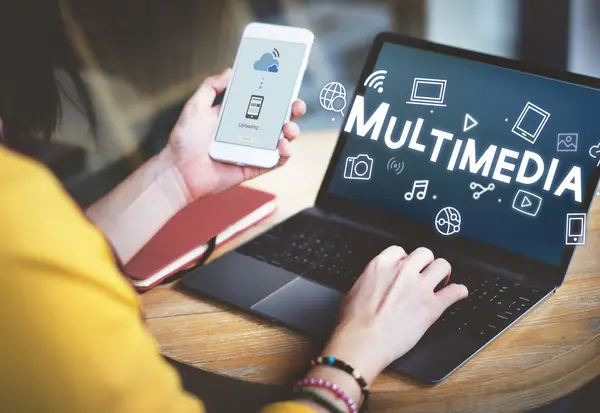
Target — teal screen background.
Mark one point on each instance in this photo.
(275, 87)
(495, 97)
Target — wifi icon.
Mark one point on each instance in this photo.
(375, 80)
(276, 53)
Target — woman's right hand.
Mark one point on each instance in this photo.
(390, 307)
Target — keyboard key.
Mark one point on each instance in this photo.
(502, 320)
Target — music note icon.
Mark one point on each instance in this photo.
(423, 183)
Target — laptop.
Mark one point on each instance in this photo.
(453, 150)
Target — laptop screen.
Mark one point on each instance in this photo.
(473, 150)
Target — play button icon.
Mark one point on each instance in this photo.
(527, 203)
(469, 123)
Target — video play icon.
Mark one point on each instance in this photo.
(469, 123)
(527, 203)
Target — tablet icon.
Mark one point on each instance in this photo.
(576, 224)
(428, 92)
(531, 122)
(527, 203)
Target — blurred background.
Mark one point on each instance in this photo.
(143, 58)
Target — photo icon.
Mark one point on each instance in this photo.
(358, 167)
(567, 142)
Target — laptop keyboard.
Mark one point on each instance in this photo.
(493, 304)
(335, 255)
(324, 251)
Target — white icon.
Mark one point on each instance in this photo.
(594, 151)
(359, 167)
(375, 80)
(333, 97)
(395, 166)
(530, 123)
(482, 189)
(422, 192)
(448, 221)
(576, 223)
(469, 123)
(527, 203)
(567, 142)
(428, 92)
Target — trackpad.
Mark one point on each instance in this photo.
(304, 306)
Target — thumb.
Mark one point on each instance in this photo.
(452, 293)
(210, 88)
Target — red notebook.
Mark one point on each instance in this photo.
(185, 238)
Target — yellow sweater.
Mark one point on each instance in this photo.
(71, 332)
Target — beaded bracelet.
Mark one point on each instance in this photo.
(318, 399)
(339, 364)
(331, 387)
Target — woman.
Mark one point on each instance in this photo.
(73, 339)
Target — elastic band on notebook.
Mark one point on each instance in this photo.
(211, 245)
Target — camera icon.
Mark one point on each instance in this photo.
(358, 167)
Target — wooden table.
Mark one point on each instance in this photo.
(550, 353)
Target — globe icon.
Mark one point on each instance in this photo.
(333, 97)
(447, 221)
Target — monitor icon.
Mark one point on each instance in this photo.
(576, 223)
(530, 123)
(428, 92)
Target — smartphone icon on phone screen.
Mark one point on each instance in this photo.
(254, 107)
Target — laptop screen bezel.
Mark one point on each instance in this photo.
(422, 234)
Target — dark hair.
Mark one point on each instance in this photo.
(33, 46)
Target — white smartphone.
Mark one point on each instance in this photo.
(267, 74)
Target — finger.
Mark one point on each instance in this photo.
(418, 260)
(285, 149)
(210, 88)
(436, 272)
(381, 272)
(298, 109)
(291, 131)
(393, 253)
(451, 294)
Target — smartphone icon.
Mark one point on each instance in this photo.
(576, 224)
(254, 107)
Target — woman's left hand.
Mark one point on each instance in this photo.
(191, 137)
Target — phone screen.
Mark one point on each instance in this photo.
(260, 92)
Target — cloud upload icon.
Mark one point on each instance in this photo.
(595, 151)
(267, 63)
